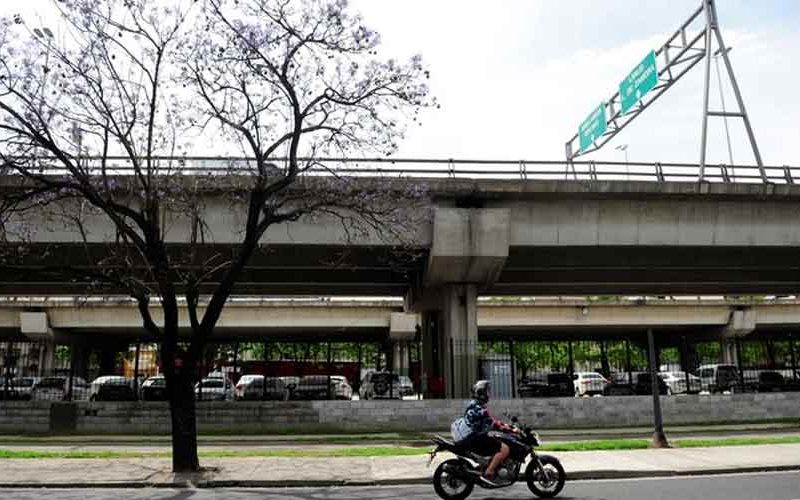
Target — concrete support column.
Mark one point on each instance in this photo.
(460, 339)
(401, 358)
(431, 374)
(727, 351)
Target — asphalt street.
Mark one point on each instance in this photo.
(766, 486)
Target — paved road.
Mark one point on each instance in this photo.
(771, 486)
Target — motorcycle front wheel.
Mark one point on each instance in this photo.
(547, 481)
(448, 486)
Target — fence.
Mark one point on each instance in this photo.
(247, 370)
(452, 169)
(314, 370)
(620, 366)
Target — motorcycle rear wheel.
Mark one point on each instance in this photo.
(549, 481)
(449, 487)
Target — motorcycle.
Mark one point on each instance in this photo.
(455, 478)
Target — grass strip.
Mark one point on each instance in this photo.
(394, 451)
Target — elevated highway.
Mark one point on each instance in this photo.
(524, 236)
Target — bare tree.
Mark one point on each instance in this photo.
(96, 115)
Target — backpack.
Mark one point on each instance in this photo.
(459, 429)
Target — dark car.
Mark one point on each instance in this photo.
(770, 381)
(546, 385)
(154, 389)
(644, 384)
(534, 386)
(313, 387)
(112, 388)
(620, 385)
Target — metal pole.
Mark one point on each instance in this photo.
(706, 82)
(685, 362)
(659, 438)
(513, 368)
(264, 372)
(235, 358)
(571, 360)
(628, 361)
(711, 15)
(793, 358)
(136, 371)
(72, 356)
(328, 371)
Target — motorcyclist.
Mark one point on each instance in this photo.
(480, 422)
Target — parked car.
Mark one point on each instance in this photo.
(341, 387)
(546, 385)
(112, 388)
(676, 382)
(380, 385)
(313, 387)
(19, 388)
(719, 377)
(215, 387)
(589, 383)
(57, 389)
(406, 386)
(251, 388)
(644, 384)
(620, 384)
(154, 389)
(769, 381)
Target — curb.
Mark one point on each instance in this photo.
(210, 484)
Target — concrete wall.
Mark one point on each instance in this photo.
(367, 416)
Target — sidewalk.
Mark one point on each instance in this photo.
(379, 470)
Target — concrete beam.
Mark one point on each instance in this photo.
(35, 326)
(742, 322)
(403, 326)
(469, 246)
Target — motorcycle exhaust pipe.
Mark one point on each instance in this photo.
(463, 472)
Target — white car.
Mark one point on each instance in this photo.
(589, 383)
(676, 382)
(215, 387)
(380, 385)
(341, 387)
(57, 389)
(406, 386)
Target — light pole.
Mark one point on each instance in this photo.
(624, 149)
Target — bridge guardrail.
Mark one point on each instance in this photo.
(441, 168)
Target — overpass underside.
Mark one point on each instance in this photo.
(377, 271)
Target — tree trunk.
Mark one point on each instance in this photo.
(184, 425)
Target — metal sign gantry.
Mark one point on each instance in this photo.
(691, 43)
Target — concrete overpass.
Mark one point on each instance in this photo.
(497, 237)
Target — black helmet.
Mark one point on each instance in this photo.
(480, 391)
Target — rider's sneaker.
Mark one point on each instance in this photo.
(489, 480)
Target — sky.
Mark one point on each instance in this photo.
(516, 77)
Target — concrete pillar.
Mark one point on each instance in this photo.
(47, 358)
(460, 339)
(400, 358)
(727, 351)
(468, 252)
(431, 373)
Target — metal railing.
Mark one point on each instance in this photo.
(441, 169)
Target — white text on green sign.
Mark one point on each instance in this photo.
(639, 82)
(592, 127)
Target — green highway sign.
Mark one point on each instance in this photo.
(592, 127)
(639, 82)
